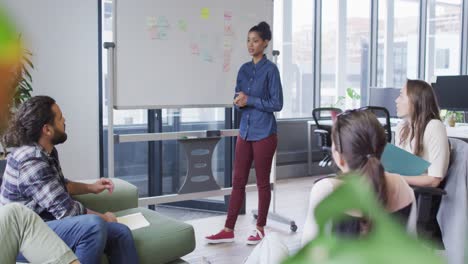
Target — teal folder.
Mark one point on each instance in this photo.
(397, 160)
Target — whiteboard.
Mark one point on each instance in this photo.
(181, 53)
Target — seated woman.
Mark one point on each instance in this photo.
(422, 132)
(358, 141)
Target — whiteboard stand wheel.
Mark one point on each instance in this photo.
(321, 163)
(294, 228)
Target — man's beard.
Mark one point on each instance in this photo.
(59, 137)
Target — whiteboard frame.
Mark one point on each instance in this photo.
(148, 107)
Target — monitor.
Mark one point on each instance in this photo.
(452, 92)
(384, 97)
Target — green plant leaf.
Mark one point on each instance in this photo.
(387, 242)
(29, 62)
(352, 94)
(28, 75)
(28, 85)
(349, 92)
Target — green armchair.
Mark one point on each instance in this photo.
(164, 241)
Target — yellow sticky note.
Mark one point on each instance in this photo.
(205, 13)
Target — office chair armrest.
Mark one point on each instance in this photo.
(431, 191)
(324, 177)
(125, 196)
(320, 131)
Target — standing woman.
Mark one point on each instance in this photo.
(422, 132)
(258, 95)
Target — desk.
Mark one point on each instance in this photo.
(459, 131)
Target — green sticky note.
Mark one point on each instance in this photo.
(397, 160)
(182, 25)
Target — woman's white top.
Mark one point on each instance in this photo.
(436, 148)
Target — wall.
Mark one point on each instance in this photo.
(63, 36)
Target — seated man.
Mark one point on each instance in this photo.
(33, 175)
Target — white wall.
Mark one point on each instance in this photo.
(63, 36)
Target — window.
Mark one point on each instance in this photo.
(328, 92)
(357, 50)
(397, 51)
(293, 37)
(443, 38)
(442, 59)
(345, 52)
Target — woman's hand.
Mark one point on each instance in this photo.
(241, 99)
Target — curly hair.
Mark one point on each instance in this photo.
(26, 126)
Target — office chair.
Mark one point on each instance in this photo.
(428, 201)
(382, 113)
(429, 198)
(324, 118)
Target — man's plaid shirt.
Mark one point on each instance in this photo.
(34, 178)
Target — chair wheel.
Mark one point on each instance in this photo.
(294, 228)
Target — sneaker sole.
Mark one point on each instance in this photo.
(253, 242)
(218, 241)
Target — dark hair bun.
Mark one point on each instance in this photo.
(263, 25)
(263, 30)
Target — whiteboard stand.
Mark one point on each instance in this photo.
(110, 46)
(273, 215)
(188, 139)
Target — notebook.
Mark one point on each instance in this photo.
(397, 160)
(133, 221)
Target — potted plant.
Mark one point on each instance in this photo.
(20, 90)
(452, 117)
(351, 99)
(15, 78)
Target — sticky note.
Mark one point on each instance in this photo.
(205, 13)
(182, 25)
(163, 22)
(150, 21)
(195, 50)
(228, 30)
(227, 43)
(227, 15)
